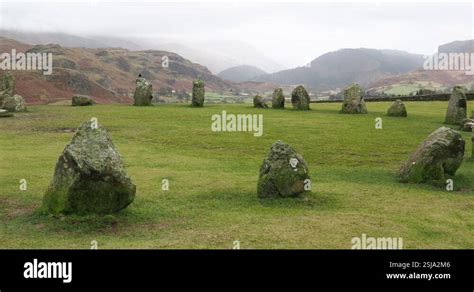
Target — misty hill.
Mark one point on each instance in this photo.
(466, 46)
(339, 68)
(106, 74)
(241, 73)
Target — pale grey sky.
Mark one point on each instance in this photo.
(290, 33)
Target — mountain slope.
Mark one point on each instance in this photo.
(106, 74)
(241, 73)
(339, 68)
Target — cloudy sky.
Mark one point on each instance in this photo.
(290, 33)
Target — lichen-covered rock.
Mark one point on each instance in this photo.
(354, 100)
(466, 125)
(5, 114)
(439, 155)
(82, 100)
(283, 173)
(90, 176)
(198, 93)
(457, 105)
(397, 109)
(300, 98)
(278, 99)
(258, 102)
(143, 92)
(14, 104)
(7, 86)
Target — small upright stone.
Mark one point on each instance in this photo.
(90, 176)
(7, 86)
(198, 93)
(82, 100)
(457, 105)
(439, 155)
(284, 173)
(143, 92)
(354, 100)
(278, 99)
(258, 102)
(467, 125)
(397, 109)
(300, 98)
(14, 104)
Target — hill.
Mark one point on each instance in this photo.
(337, 69)
(107, 74)
(241, 73)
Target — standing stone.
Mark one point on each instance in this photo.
(258, 102)
(5, 114)
(439, 155)
(300, 98)
(14, 104)
(283, 173)
(143, 92)
(82, 100)
(198, 93)
(278, 99)
(7, 86)
(397, 109)
(457, 105)
(90, 176)
(354, 100)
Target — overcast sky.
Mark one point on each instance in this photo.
(290, 33)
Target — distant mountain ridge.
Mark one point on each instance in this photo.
(241, 73)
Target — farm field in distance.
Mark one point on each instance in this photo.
(212, 200)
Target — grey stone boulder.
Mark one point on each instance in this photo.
(143, 92)
(14, 104)
(90, 176)
(198, 93)
(439, 155)
(283, 173)
(353, 102)
(278, 99)
(258, 102)
(5, 114)
(300, 98)
(466, 125)
(397, 109)
(457, 106)
(82, 100)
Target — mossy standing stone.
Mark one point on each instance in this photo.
(300, 98)
(258, 102)
(278, 99)
(198, 93)
(283, 173)
(82, 100)
(354, 100)
(439, 155)
(143, 92)
(14, 103)
(90, 176)
(397, 109)
(457, 106)
(7, 86)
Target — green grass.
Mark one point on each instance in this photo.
(212, 199)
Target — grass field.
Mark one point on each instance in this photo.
(212, 200)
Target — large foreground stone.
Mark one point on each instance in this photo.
(457, 105)
(143, 92)
(258, 102)
(300, 98)
(354, 100)
(278, 99)
(5, 114)
(198, 93)
(81, 100)
(397, 109)
(283, 173)
(14, 104)
(7, 86)
(439, 155)
(90, 176)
